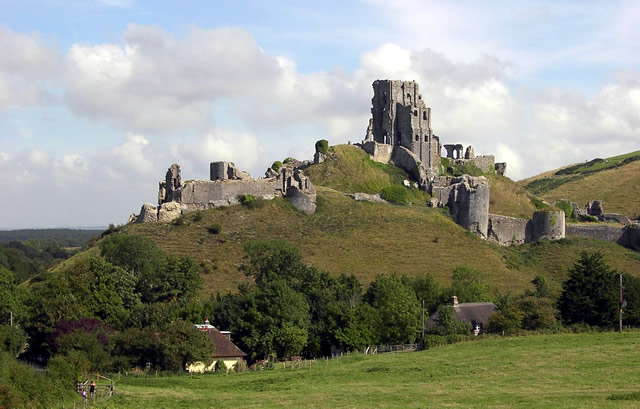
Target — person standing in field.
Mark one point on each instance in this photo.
(92, 389)
(84, 396)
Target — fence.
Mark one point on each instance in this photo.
(103, 391)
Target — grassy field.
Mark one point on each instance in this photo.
(614, 181)
(545, 371)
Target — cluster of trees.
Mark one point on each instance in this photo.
(295, 309)
(132, 305)
(135, 304)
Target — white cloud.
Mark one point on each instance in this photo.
(26, 64)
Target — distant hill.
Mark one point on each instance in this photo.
(615, 181)
(63, 237)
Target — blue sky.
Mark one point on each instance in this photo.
(98, 98)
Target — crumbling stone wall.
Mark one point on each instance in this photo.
(225, 185)
(508, 231)
(468, 200)
(401, 118)
(548, 225)
(627, 236)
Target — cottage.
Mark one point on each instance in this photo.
(225, 350)
(476, 313)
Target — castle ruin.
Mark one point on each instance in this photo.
(225, 187)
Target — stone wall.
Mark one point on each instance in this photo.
(399, 117)
(379, 152)
(226, 185)
(468, 201)
(627, 236)
(508, 231)
(204, 194)
(548, 225)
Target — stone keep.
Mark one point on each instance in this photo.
(399, 117)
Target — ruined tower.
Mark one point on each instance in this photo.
(401, 118)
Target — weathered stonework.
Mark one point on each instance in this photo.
(548, 225)
(508, 231)
(627, 236)
(401, 118)
(148, 213)
(468, 200)
(169, 211)
(226, 185)
(501, 168)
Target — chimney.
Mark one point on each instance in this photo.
(454, 301)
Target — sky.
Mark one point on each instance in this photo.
(99, 97)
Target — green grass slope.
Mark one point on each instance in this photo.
(350, 170)
(615, 181)
(367, 239)
(551, 371)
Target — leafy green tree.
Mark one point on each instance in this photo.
(112, 292)
(538, 312)
(270, 260)
(398, 308)
(88, 336)
(447, 324)
(507, 318)
(135, 253)
(589, 295)
(357, 327)
(467, 285)
(542, 287)
(175, 278)
(12, 339)
(429, 290)
(184, 344)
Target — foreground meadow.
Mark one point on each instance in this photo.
(546, 371)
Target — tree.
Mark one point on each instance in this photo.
(590, 295)
(184, 344)
(447, 323)
(137, 254)
(271, 260)
(467, 285)
(398, 308)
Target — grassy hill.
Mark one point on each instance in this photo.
(551, 371)
(366, 239)
(615, 181)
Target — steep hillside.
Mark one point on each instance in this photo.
(366, 239)
(350, 170)
(506, 197)
(615, 181)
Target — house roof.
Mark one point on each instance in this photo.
(476, 312)
(224, 348)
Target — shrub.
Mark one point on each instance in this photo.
(240, 366)
(276, 165)
(539, 204)
(395, 194)
(220, 367)
(214, 228)
(288, 160)
(197, 216)
(247, 200)
(566, 207)
(322, 146)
